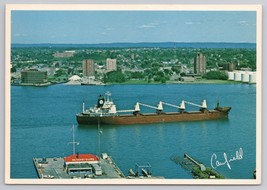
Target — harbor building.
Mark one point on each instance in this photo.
(33, 76)
(88, 68)
(111, 64)
(81, 163)
(200, 64)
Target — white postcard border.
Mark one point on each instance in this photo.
(147, 7)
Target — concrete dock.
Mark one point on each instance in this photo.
(55, 168)
(50, 168)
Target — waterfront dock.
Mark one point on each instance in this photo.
(56, 168)
(50, 168)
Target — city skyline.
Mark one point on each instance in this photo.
(94, 27)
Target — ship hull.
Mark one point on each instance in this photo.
(153, 118)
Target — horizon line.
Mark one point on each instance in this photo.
(133, 43)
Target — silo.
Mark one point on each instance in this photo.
(237, 76)
(253, 78)
(245, 77)
(231, 76)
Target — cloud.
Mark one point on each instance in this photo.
(243, 23)
(149, 25)
(189, 23)
(20, 35)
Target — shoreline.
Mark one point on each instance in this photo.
(201, 81)
(146, 83)
(142, 82)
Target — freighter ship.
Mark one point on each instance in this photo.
(105, 112)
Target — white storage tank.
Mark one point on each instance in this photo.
(237, 76)
(253, 78)
(231, 76)
(245, 77)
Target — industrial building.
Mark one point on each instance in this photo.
(65, 54)
(33, 76)
(229, 66)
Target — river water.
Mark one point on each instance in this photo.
(42, 118)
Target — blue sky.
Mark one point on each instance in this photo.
(132, 26)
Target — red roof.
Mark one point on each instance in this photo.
(81, 158)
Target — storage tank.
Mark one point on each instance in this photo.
(252, 78)
(245, 77)
(231, 76)
(237, 76)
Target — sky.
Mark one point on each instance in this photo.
(93, 27)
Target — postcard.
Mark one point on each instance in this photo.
(133, 94)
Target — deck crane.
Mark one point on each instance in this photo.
(159, 107)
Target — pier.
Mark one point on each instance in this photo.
(56, 168)
(197, 169)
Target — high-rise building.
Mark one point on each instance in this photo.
(200, 64)
(111, 65)
(88, 68)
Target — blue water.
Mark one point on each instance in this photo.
(41, 121)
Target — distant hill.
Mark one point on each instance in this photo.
(144, 45)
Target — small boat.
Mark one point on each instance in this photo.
(105, 112)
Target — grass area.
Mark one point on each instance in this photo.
(198, 174)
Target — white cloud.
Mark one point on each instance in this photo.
(243, 23)
(189, 23)
(20, 35)
(149, 25)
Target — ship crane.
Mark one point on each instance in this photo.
(182, 105)
(203, 105)
(153, 107)
(160, 106)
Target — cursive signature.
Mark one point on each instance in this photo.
(216, 163)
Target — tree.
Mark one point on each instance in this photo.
(13, 69)
(216, 75)
(114, 76)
